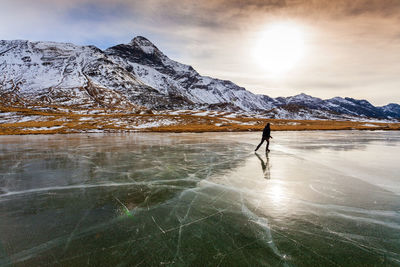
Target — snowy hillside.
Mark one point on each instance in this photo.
(65, 74)
(169, 77)
(341, 106)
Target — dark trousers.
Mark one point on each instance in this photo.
(262, 141)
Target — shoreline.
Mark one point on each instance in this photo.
(25, 121)
(4, 131)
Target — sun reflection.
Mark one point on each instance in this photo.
(276, 193)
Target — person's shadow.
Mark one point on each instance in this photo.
(265, 166)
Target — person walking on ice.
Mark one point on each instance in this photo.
(265, 137)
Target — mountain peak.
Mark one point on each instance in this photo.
(304, 96)
(144, 44)
(141, 40)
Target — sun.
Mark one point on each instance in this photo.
(279, 48)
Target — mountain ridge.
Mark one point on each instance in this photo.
(138, 74)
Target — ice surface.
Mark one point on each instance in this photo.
(317, 199)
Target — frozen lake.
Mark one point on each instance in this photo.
(317, 199)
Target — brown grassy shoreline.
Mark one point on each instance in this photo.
(56, 122)
(201, 124)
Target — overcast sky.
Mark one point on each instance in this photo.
(351, 47)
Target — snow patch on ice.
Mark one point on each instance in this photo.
(44, 128)
(155, 124)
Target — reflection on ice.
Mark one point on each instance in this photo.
(265, 165)
(276, 193)
(200, 199)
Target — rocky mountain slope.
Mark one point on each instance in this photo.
(66, 74)
(169, 77)
(339, 105)
(138, 75)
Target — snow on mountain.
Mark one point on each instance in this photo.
(169, 77)
(67, 74)
(302, 100)
(391, 110)
(338, 107)
(354, 107)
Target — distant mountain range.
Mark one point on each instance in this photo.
(139, 75)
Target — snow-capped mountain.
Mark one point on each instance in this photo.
(138, 74)
(169, 77)
(391, 110)
(66, 74)
(339, 105)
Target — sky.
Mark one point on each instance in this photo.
(324, 48)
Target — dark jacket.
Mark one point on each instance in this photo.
(267, 132)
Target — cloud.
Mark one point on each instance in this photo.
(91, 12)
(353, 46)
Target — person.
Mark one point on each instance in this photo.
(265, 137)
